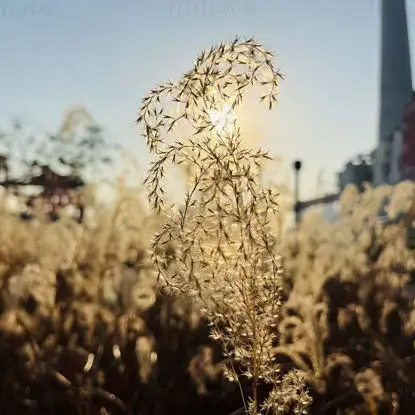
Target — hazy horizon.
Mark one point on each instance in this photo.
(106, 55)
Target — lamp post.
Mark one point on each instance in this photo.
(297, 167)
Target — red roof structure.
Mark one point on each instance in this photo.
(408, 131)
(55, 187)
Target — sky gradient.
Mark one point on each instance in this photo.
(106, 54)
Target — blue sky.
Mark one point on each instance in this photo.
(106, 54)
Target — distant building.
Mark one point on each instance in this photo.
(395, 173)
(389, 158)
(408, 144)
(394, 157)
(356, 172)
(393, 160)
(395, 86)
(396, 153)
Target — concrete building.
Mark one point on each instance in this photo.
(389, 157)
(396, 82)
(395, 157)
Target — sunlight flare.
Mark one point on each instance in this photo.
(222, 118)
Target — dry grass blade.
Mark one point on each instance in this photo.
(225, 254)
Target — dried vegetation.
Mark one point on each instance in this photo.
(348, 322)
(215, 314)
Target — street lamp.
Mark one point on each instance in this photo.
(297, 167)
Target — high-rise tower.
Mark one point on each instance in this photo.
(396, 81)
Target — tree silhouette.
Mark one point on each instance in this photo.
(76, 154)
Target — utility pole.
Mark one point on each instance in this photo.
(297, 167)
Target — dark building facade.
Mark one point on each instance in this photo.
(356, 172)
(408, 134)
(396, 80)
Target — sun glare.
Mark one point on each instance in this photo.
(222, 119)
